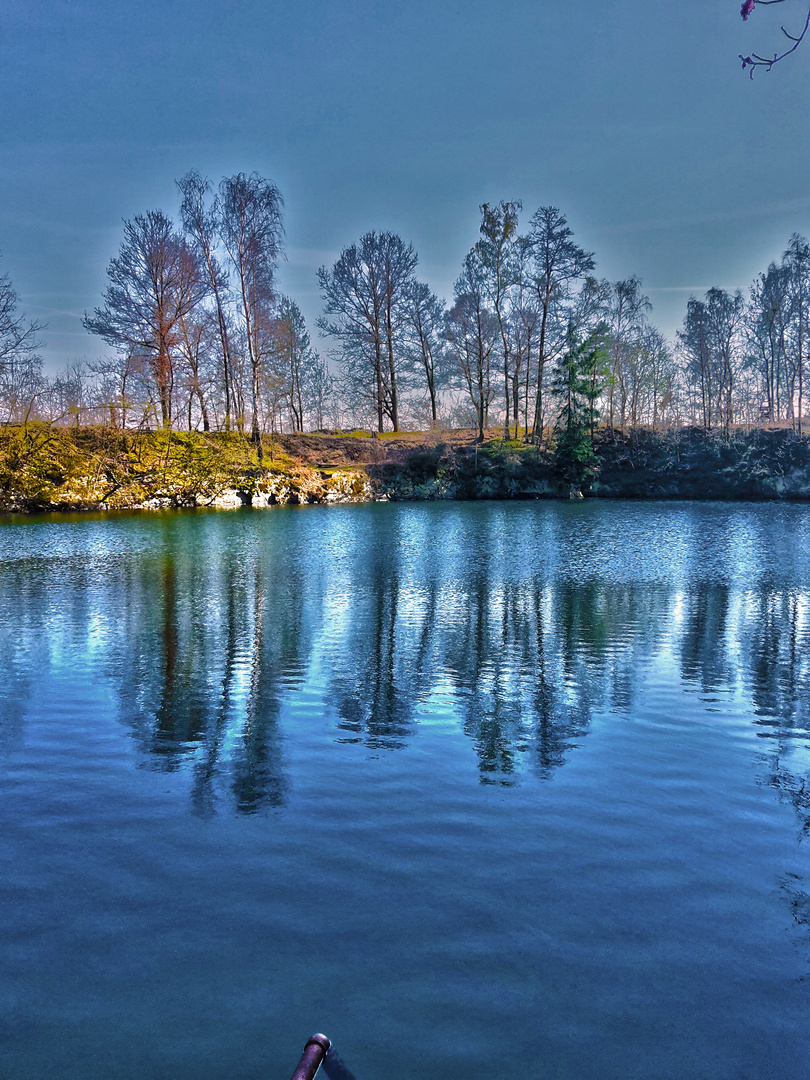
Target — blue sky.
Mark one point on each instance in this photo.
(633, 118)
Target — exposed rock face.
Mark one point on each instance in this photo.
(351, 486)
(692, 463)
(229, 499)
(302, 486)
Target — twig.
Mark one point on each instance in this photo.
(755, 60)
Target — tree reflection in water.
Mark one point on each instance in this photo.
(215, 656)
(198, 679)
(210, 639)
(371, 682)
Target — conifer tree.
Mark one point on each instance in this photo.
(579, 380)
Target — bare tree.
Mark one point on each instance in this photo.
(67, 394)
(626, 316)
(498, 254)
(155, 282)
(320, 393)
(250, 222)
(425, 314)
(695, 347)
(725, 322)
(117, 384)
(471, 332)
(525, 319)
(21, 377)
(767, 318)
(711, 342)
(202, 225)
(366, 302)
(554, 265)
(197, 333)
(649, 377)
(796, 266)
(294, 359)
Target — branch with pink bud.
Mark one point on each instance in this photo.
(755, 60)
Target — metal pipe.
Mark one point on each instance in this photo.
(314, 1053)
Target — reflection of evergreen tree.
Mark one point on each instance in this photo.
(558, 723)
(594, 641)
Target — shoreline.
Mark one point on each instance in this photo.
(52, 470)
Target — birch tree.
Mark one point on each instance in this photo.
(425, 317)
(201, 224)
(554, 266)
(252, 231)
(498, 256)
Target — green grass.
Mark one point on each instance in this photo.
(42, 465)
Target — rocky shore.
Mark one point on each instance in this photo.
(43, 468)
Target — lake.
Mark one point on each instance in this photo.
(477, 789)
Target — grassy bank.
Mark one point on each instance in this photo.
(43, 467)
(47, 467)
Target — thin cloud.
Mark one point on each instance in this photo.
(747, 213)
(680, 288)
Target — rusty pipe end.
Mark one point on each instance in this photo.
(312, 1057)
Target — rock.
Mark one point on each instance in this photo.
(229, 499)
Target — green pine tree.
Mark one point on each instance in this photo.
(580, 378)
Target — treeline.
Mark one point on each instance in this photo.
(200, 336)
(532, 339)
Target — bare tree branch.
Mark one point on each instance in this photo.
(755, 60)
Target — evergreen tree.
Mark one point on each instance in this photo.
(580, 378)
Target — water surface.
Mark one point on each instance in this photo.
(479, 790)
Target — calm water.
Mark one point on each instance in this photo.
(479, 790)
